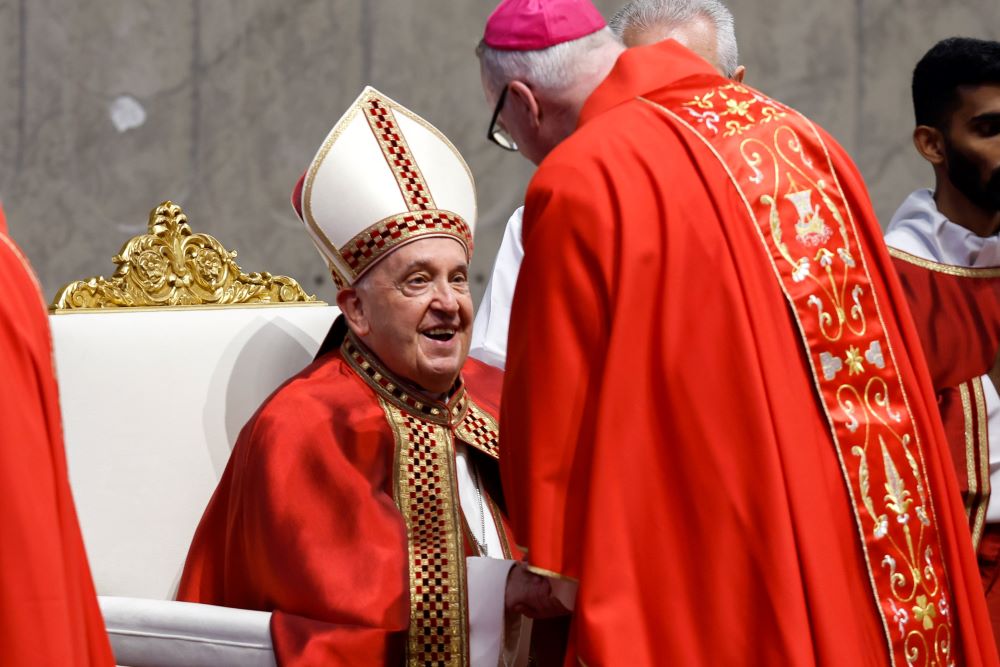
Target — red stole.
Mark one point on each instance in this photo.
(779, 164)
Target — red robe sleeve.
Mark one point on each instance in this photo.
(303, 523)
(48, 610)
(567, 308)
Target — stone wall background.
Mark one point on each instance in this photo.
(108, 107)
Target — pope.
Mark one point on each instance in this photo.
(361, 504)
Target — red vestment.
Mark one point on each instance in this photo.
(48, 610)
(957, 313)
(338, 501)
(709, 417)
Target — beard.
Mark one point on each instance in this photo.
(965, 175)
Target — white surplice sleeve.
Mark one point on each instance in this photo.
(489, 333)
(486, 577)
(993, 436)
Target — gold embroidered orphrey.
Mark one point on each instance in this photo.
(426, 493)
(779, 164)
(171, 266)
(977, 459)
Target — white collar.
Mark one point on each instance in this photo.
(919, 228)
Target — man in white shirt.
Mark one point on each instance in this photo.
(705, 27)
(946, 248)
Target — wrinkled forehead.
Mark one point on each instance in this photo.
(437, 254)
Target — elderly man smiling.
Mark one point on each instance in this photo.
(362, 503)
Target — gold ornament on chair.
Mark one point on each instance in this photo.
(171, 266)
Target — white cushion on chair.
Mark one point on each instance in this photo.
(152, 403)
(154, 633)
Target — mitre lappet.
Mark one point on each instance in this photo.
(383, 177)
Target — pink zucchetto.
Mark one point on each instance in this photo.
(530, 25)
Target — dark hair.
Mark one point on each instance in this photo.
(949, 65)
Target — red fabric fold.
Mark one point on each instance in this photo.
(48, 609)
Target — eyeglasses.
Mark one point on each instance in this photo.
(497, 133)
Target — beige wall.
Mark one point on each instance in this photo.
(237, 94)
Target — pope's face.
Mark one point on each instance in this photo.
(414, 312)
(972, 146)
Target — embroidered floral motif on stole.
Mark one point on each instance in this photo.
(778, 162)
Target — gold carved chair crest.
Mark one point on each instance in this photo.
(172, 266)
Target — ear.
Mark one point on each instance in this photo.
(522, 101)
(351, 305)
(738, 75)
(929, 142)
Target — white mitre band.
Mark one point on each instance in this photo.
(383, 177)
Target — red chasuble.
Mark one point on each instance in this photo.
(339, 512)
(48, 609)
(712, 420)
(957, 313)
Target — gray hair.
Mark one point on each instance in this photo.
(554, 68)
(647, 14)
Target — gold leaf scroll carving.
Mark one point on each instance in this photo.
(172, 266)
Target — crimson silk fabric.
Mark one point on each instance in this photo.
(958, 319)
(303, 522)
(664, 443)
(48, 610)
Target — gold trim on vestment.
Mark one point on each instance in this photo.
(542, 572)
(970, 447)
(471, 423)
(426, 495)
(948, 269)
(386, 385)
(498, 522)
(425, 490)
(982, 462)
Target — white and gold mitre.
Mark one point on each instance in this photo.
(383, 177)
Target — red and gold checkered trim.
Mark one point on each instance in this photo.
(480, 430)
(397, 153)
(426, 495)
(390, 389)
(361, 251)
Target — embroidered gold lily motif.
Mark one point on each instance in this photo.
(924, 612)
(855, 366)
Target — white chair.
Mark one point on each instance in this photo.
(159, 368)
